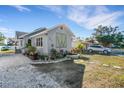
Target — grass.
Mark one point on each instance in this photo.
(109, 60)
(8, 51)
(96, 75)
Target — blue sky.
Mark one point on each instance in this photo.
(80, 19)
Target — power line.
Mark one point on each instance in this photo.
(103, 20)
(107, 19)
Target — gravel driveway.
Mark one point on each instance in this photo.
(16, 72)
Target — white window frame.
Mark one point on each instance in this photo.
(39, 41)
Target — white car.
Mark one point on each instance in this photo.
(99, 48)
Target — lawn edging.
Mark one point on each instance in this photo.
(52, 61)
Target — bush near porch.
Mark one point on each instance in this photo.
(54, 54)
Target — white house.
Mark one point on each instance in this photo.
(58, 37)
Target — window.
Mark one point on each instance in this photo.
(39, 42)
(61, 40)
(96, 46)
(29, 42)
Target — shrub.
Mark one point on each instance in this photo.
(42, 57)
(55, 54)
(64, 53)
(31, 50)
(79, 49)
(75, 50)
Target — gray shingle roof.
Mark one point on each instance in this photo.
(36, 31)
(19, 33)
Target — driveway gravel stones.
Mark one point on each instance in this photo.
(16, 72)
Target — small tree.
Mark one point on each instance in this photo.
(2, 37)
(105, 40)
(80, 47)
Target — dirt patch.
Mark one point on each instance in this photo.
(67, 74)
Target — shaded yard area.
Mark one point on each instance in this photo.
(103, 71)
(16, 72)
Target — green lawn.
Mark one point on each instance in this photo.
(8, 51)
(101, 71)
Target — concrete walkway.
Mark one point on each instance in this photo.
(16, 72)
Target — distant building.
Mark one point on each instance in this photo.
(11, 41)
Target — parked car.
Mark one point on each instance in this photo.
(5, 48)
(99, 48)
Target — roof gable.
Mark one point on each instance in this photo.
(44, 30)
(19, 33)
(63, 27)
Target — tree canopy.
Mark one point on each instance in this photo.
(107, 35)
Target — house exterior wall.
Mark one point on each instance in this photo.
(52, 39)
(41, 49)
(21, 43)
(19, 46)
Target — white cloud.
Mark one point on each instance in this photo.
(88, 17)
(92, 16)
(54, 8)
(21, 8)
(7, 32)
(58, 9)
(103, 19)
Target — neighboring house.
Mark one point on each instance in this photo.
(18, 40)
(11, 41)
(58, 37)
